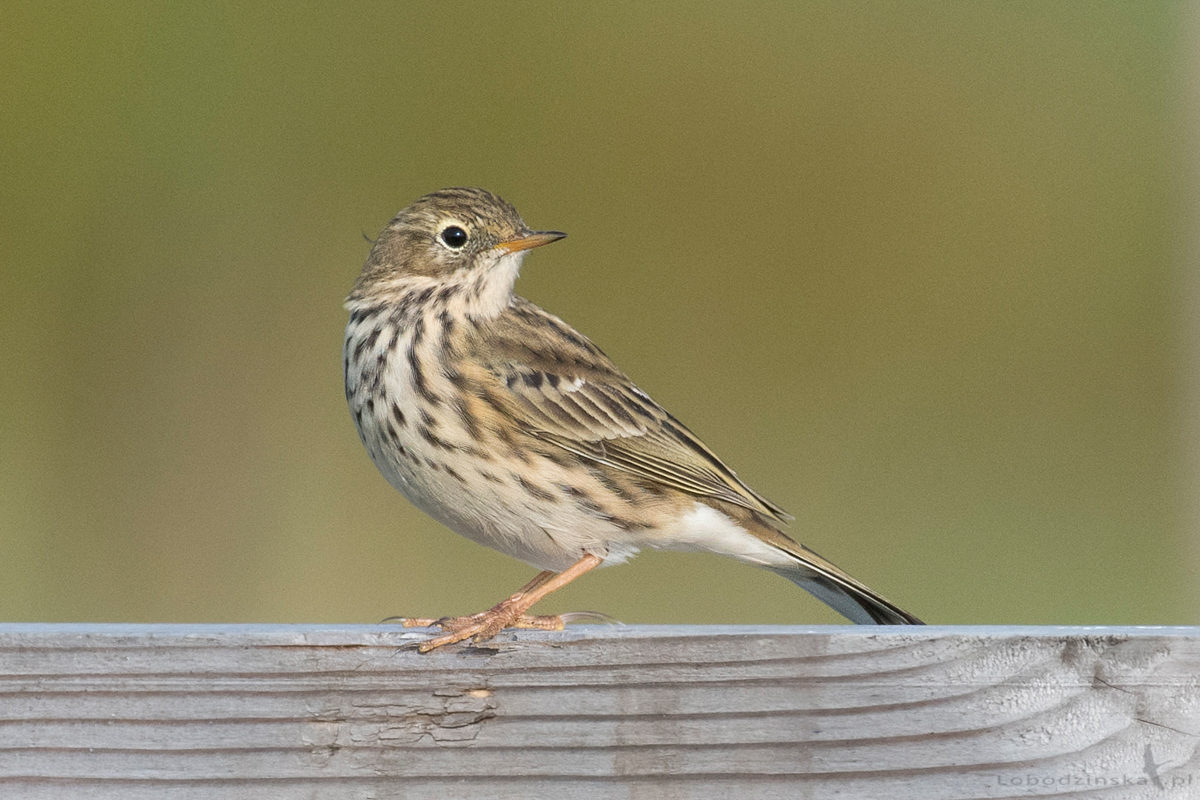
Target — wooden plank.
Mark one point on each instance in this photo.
(140, 711)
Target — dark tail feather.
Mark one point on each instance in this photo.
(827, 582)
(849, 598)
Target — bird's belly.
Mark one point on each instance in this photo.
(465, 479)
(487, 504)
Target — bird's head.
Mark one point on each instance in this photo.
(460, 237)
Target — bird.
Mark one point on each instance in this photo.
(502, 422)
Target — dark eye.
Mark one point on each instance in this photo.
(454, 236)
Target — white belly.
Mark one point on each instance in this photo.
(433, 465)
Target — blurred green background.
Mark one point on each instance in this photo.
(914, 270)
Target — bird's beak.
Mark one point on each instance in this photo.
(530, 240)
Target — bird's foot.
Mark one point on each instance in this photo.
(481, 626)
(540, 622)
(509, 613)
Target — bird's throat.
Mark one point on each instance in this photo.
(488, 290)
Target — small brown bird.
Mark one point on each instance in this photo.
(504, 423)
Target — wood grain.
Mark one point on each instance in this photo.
(130, 712)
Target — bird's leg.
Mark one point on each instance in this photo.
(545, 623)
(509, 612)
(537, 622)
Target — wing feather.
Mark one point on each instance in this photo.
(564, 390)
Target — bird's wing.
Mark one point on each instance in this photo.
(564, 390)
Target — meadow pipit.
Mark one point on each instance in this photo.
(507, 425)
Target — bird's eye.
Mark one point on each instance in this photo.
(454, 237)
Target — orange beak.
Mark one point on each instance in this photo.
(530, 240)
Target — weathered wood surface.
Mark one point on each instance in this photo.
(131, 712)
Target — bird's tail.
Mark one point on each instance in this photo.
(845, 595)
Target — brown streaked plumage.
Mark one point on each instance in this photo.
(503, 422)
